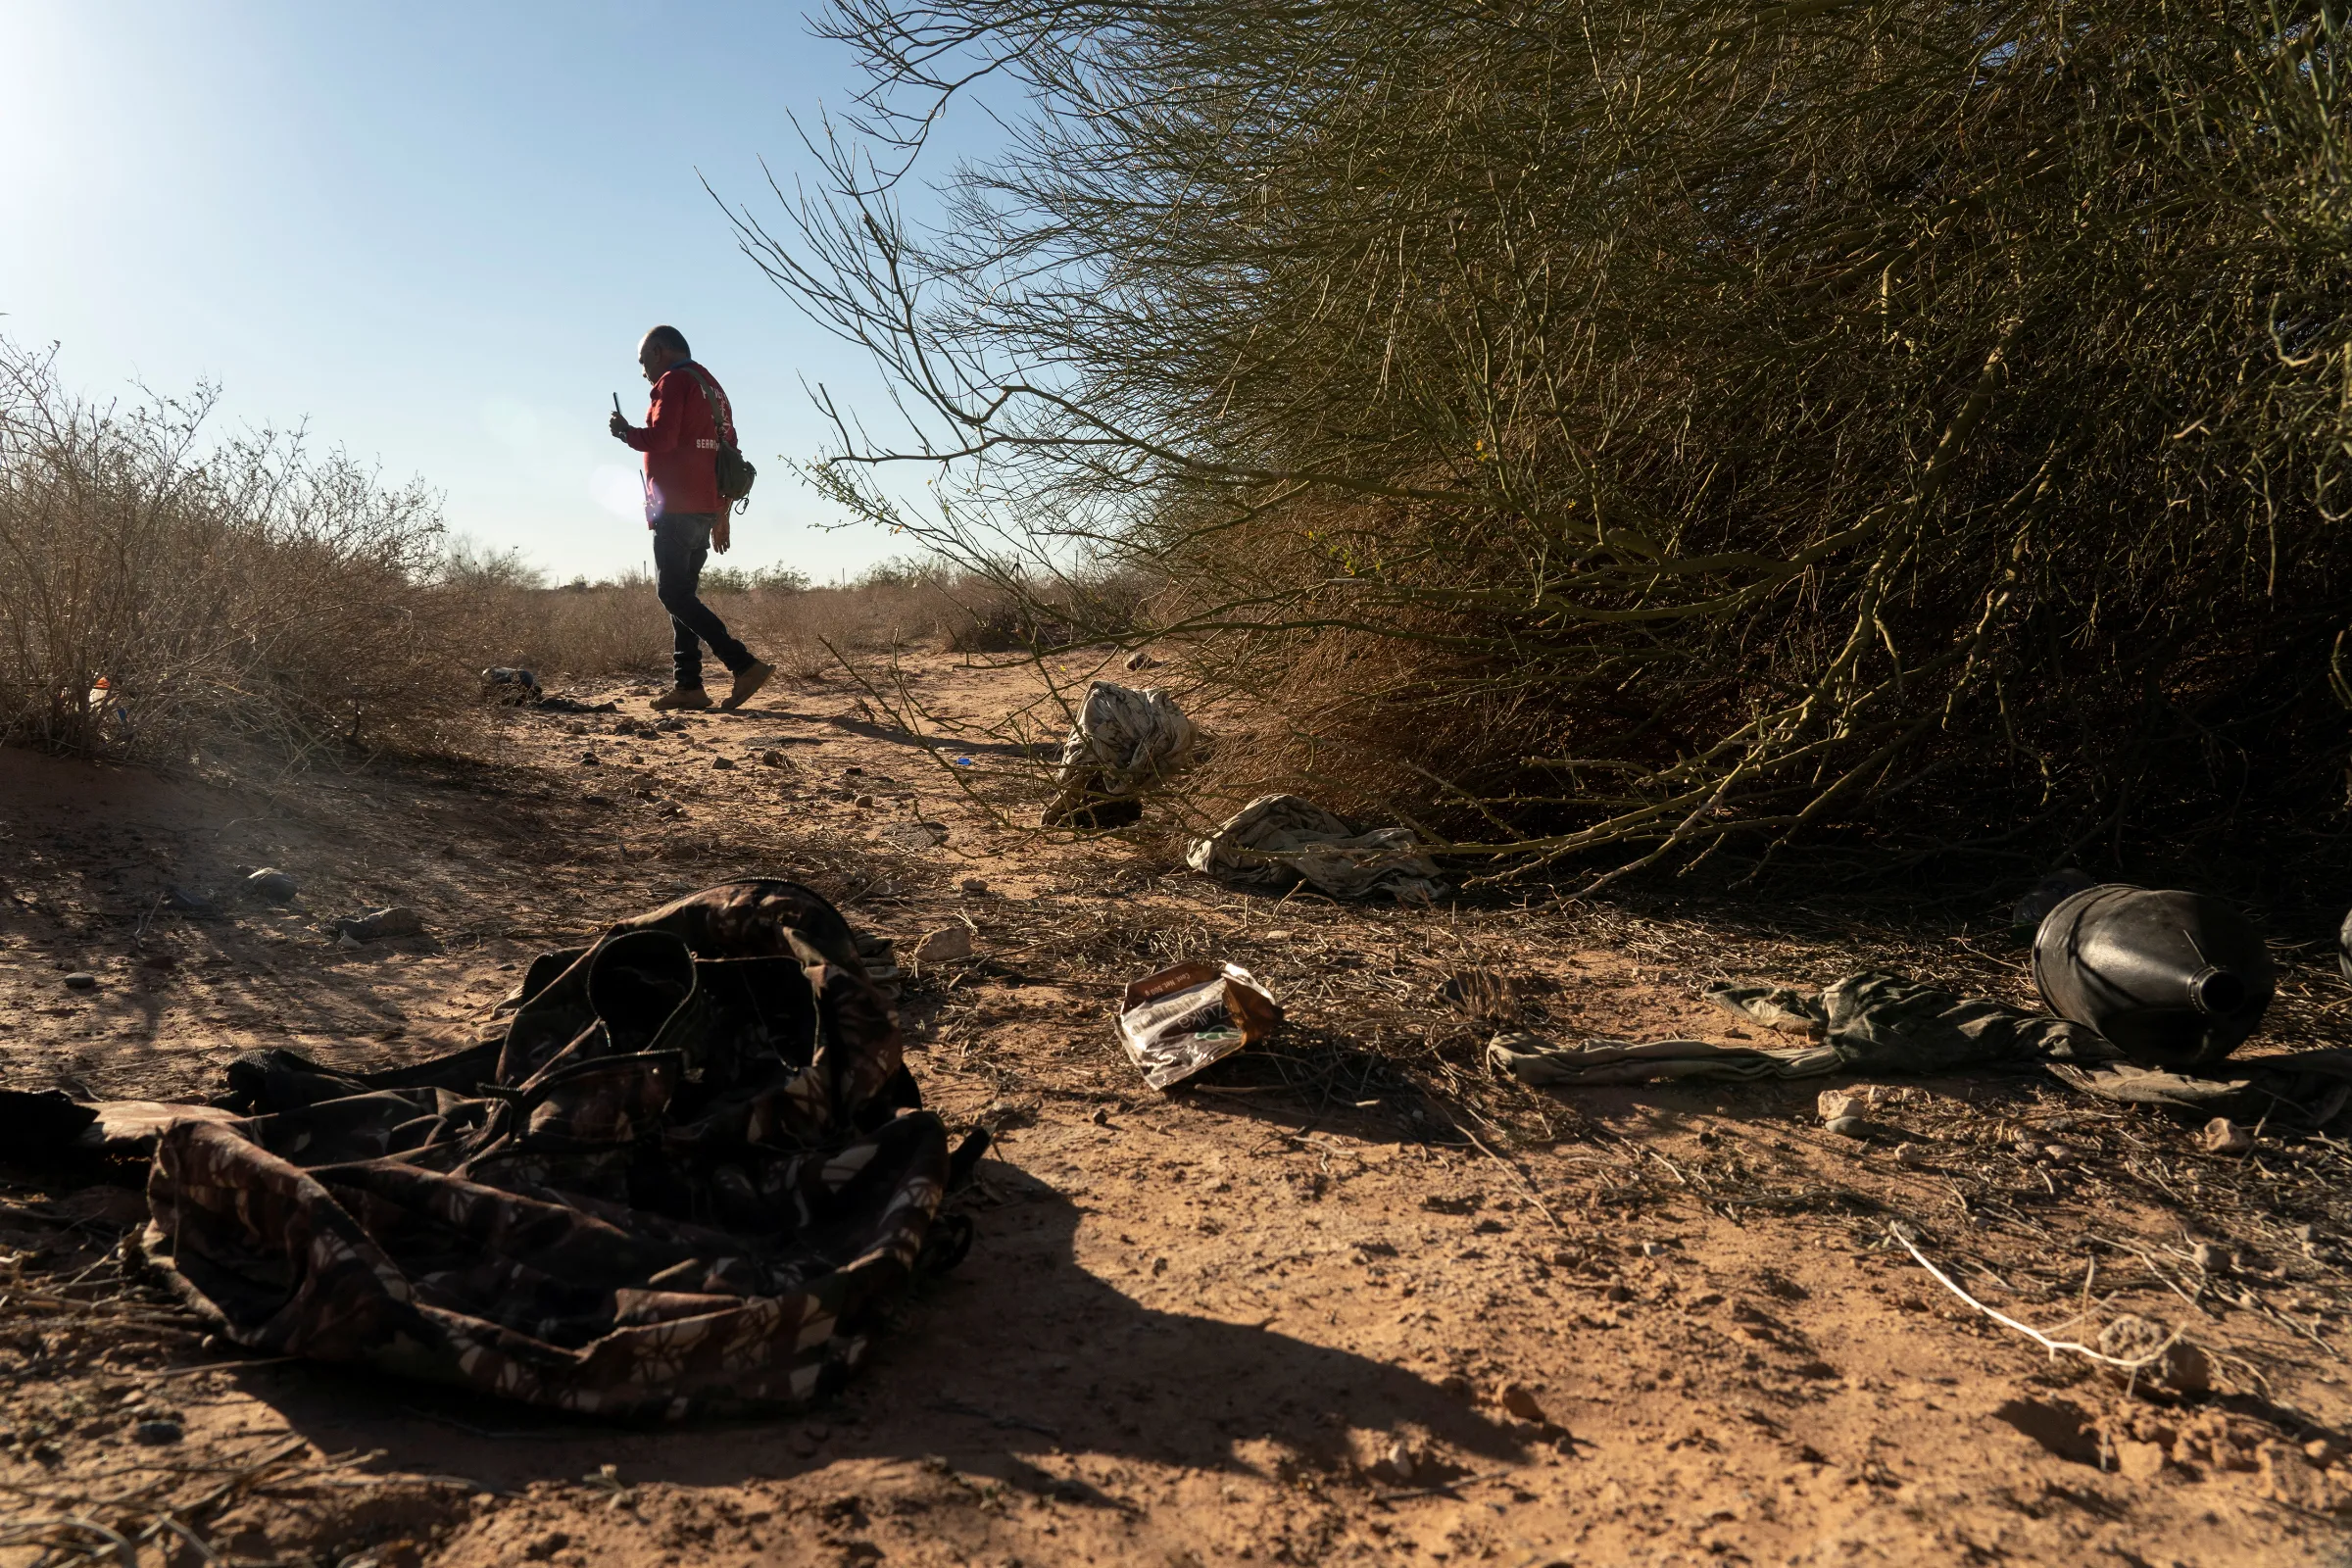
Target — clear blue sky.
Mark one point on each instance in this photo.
(433, 232)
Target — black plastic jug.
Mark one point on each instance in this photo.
(2172, 980)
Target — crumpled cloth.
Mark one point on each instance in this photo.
(2303, 1087)
(692, 1176)
(1122, 742)
(1279, 840)
(1867, 1023)
(1881, 1022)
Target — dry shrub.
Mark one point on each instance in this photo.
(1626, 428)
(244, 590)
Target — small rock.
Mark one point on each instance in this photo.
(1653, 1248)
(271, 885)
(157, 1433)
(2209, 1259)
(1520, 1401)
(2058, 1154)
(722, 762)
(590, 759)
(1910, 1155)
(1399, 1460)
(2139, 1461)
(82, 980)
(2221, 1136)
(974, 887)
(863, 802)
(576, 728)
(596, 800)
(1847, 1126)
(2324, 1451)
(1834, 1105)
(773, 759)
(378, 924)
(944, 945)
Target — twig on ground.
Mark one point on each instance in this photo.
(2136, 1363)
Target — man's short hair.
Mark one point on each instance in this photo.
(671, 338)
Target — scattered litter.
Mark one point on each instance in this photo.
(795, 1201)
(1122, 743)
(2171, 979)
(378, 926)
(2221, 1136)
(1279, 840)
(964, 762)
(944, 946)
(2301, 1089)
(510, 688)
(82, 980)
(271, 885)
(912, 836)
(572, 705)
(1178, 1021)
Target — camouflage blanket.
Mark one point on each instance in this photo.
(693, 1175)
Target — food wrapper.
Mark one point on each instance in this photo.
(1178, 1021)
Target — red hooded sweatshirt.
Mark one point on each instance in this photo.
(680, 442)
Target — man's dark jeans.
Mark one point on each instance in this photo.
(681, 544)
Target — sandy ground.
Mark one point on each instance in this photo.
(1346, 1298)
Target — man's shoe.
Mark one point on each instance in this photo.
(748, 679)
(681, 697)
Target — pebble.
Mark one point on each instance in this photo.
(1520, 1401)
(156, 1433)
(944, 945)
(722, 762)
(82, 980)
(974, 887)
(773, 759)
(2221, 1136)
(272, 884)
(1910, 1155)
(588, 759)
(1834, 1105)
(1847, 1126)
(864, 801)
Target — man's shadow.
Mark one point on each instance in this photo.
(1018, 1351)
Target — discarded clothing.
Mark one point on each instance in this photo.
(2302, 1089)
(1879, 1022)
(1278, 840)
(572, 705)
(1533, 1059)
(689, 1174)
(1870, 1022)
(1123, 742)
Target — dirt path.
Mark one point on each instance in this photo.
(1346, 1298)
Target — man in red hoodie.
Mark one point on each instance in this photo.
(686, 513)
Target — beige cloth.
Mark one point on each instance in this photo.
(1278, 840)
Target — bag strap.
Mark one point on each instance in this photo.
(723, 414)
